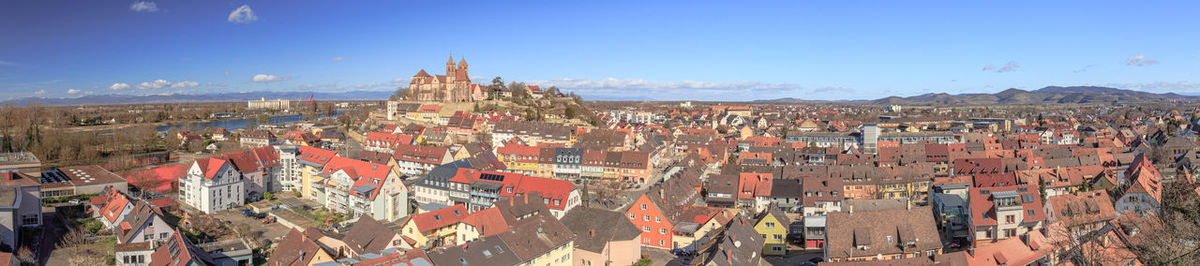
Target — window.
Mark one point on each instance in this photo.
(645, 228)
(662, 231)
(657, 219)
(778, 237)
(1010, 219)
(643, 206)
(162, 235)
(646, 217)
(1010, 232)
(631, 216)
(770, 225)
(29, 219)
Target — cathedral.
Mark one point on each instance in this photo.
(455, 86)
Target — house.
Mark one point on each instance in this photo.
(787, 194)
(257, 138)
(1141, 190)
(363, 188)
(222, 135)
(415, 160)
(144, 223)
(111, 207)
(179, 251)
(434, 228)
(754, 190)
(740, 244)
(886, 234)
(368, 235)
(540, 239)
(301, 138)
(490, 250)
(774, 225)
(132, 254)
(212, 184)
(603, 237)
(298, 249)
(998, 213)
(660, 208)
(385, 141)
(1034, 250)
(259, 168)
(483, 188)
(1081, 213)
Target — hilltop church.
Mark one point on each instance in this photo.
(455, 86)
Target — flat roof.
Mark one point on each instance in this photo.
(14, 158)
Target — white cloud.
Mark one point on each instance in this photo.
(157, 84)
(242, 15)
(74, 91)
(1009, 67)
(1140, 60)
(119, 86)
(988, 67)
(185, 84)
(40, 92)
(143, 7)
(264, 78)
(226, 73)
(339, 59)
(7, 63)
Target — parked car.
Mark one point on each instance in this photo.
(680, 252)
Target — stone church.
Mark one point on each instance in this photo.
(454, 86)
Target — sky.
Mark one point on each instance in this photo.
(637, 50)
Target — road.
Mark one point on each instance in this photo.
(53, 230)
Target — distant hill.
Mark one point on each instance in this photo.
(108, 99)
(1047, 95)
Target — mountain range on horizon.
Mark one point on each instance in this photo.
(1046, 95)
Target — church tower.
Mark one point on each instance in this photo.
(450, 67)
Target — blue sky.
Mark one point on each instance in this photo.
(718, 50)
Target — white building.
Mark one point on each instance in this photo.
(277, 104)
(289, 176)
(212, 184)
(362, 188)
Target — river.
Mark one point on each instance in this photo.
(233, 124)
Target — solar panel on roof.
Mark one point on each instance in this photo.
(492, 177)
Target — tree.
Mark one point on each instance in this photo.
(570, 112)
(497, 83)
(269, 195)
(263, 119)
(401, 92)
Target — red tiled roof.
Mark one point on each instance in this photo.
(363, 173)
(439, 218)
(316, 155)
(210, 166)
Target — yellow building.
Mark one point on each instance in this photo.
(773, 225)
(434, 228)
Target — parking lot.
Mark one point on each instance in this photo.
(251, 228)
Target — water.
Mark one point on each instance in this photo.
(233, 124)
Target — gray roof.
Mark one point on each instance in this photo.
(486, 251)
(596, 227)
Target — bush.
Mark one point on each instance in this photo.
(269, 195)
(642, 262)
